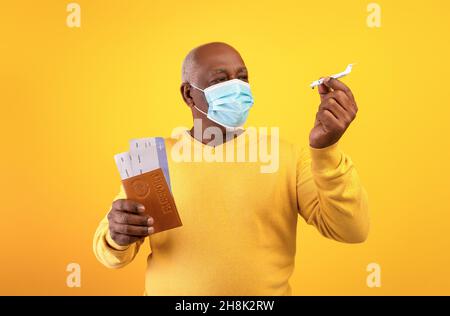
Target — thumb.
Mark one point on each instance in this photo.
(323, 89)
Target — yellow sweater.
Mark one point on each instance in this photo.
(239, 225)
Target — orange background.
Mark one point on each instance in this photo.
(72, 97)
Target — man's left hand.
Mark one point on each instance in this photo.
(336, 111)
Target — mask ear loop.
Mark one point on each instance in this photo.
(200, 110)
(194, 86)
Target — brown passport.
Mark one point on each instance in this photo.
(151, 190)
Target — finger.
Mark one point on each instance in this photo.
(128, 206)
(335, 84)
(333, 106)
(323, 90)
(124, 240)
(131, 230)
(329, 121)
(121, 217)
(343, 100)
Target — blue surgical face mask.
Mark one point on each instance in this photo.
(229, 103)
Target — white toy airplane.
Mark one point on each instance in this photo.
(336, 76)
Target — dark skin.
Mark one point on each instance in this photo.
(215, 63)
(336, 111)
(128, 223)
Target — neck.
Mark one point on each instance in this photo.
(210, 138)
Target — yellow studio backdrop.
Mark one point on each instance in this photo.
(72, 97)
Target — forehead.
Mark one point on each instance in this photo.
(209, 59)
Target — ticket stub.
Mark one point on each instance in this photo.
(154, 152)
(162, 158)
(123, 162)
(143, 156)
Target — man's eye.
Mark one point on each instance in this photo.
(243, 78)
(218, 80)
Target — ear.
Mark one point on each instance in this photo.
(185, 90)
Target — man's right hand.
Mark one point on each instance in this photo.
(128, 222)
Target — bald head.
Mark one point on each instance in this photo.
(207, 57)
(205, 66)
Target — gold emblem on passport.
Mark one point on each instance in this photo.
(141, 188)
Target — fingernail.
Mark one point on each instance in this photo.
(150, 221)
(141, 208)
(326, 80)
(151, 230)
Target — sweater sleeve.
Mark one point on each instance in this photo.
(330, 195)
(107, 251)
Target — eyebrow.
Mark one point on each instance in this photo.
(217, 71)
(221, 70)
(242, 69)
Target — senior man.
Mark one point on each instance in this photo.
(239, 224)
